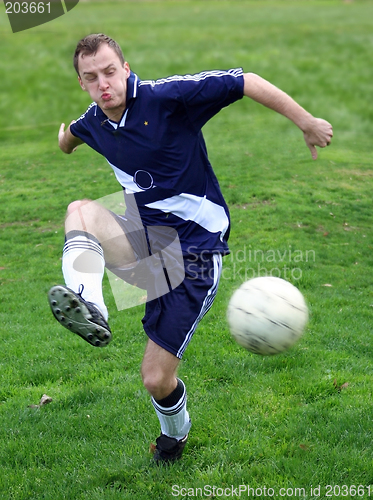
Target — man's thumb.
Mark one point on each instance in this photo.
(313, 152)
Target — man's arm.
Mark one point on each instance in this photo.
(66, 140)
(316, 132)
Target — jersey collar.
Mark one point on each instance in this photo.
(132, 88)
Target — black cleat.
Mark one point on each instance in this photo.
(168, 449)
(79, 316)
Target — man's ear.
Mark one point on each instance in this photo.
(127, 68)
(81, 84)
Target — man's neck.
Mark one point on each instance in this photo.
(115, 115)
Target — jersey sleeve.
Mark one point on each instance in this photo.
(81, 127)
(205, 94)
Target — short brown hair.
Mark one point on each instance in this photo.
(90, 44)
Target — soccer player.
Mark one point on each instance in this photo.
(150, 134)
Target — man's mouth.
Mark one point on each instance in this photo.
(106, 97)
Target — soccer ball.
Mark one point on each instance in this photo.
(267, 315)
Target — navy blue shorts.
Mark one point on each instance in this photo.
(171, 318)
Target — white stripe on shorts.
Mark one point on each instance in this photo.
(207, 303)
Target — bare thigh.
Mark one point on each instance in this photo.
(93, 218)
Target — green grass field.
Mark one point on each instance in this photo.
(296, 421)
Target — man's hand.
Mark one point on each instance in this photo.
(66, 140)
(318, 132)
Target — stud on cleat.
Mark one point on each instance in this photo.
(80, 317)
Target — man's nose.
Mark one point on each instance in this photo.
(102, 82)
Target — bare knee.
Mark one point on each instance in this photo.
(75, 205)
(81, 216)
(152, 379)
(158, 383)
(158, 371)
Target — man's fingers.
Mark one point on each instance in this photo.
(319, 134)
(61, 131)
(313, 151)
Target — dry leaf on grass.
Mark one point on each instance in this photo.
(44, 401)
(339, 387)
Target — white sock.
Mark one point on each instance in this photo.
(174, 420)
(83, 263)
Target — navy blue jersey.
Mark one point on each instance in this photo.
(159, 156)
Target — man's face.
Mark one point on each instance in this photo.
(105, 79)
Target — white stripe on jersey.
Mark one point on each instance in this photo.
(197, 77)
(89, 107)
(198, 209)
(125, 180)
(207, 303)
(135, 86)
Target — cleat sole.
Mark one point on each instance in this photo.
(76, 317)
